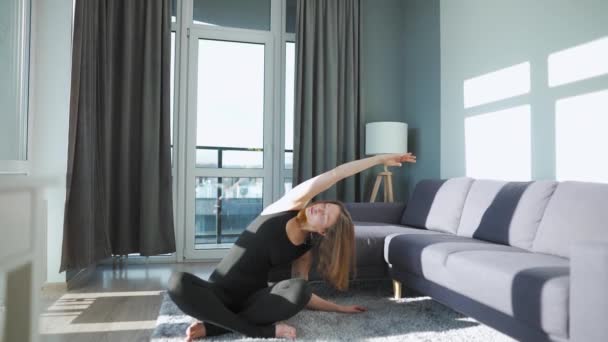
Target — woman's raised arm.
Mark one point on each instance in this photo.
(299, 196)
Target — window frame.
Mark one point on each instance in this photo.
(273, 138)
(195, 33)
(22, 164)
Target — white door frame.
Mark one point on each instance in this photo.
(266, 173)
(273, 173)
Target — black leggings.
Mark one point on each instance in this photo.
(255, 317)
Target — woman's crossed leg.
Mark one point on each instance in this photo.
(256, 318)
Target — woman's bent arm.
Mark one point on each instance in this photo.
(318, 303)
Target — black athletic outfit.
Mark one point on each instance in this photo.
(237, 297)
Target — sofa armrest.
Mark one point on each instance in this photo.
(383, 212)
(589, 291)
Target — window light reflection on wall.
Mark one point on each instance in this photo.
(497, 85)
(498, 145)
(578, 63)
(581, 123)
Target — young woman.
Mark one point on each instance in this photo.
(237, 296)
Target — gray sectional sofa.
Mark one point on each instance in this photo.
(529, 259)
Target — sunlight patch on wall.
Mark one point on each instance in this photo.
(578, 63)
(498, 145)
(581, 137)
(497, 85)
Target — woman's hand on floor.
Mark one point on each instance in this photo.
(352, 309)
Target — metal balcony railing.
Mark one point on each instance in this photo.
(241, 212)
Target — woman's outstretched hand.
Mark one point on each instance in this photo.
(395, 159)
(352, 309)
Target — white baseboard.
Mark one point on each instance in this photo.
(139, 260)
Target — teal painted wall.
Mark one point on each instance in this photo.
(422, 83)
(400, 80)
(480, 36)
(382, 80)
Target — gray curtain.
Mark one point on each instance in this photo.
(119, 192)
(327, 114)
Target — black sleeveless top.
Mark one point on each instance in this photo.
(262, 246)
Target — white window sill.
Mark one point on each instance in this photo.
(14, 167)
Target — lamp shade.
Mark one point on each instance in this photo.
(385, 137)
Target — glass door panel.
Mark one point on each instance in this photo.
(246, 14)
(229, 120)
(230, 104)
(290, 61)
(223, 209)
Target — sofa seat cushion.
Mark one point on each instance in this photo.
(369, 240)
(425, 254)
(369, 244)
(532, 288)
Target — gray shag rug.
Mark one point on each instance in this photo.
(413, 318)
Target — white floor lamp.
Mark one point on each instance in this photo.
(385, 137)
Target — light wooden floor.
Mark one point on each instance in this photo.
(120, 304)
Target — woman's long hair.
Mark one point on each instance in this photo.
(336, 250)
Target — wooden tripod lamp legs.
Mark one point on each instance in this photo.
(387, 176)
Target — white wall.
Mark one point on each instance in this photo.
(49, 101)
(480, 37)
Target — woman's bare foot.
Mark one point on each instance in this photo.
(285, 331)
(195, 330)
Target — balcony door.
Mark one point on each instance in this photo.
(229, 134)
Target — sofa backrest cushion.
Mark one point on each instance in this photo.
(385, 212)
(437, 204)
(508, 213)
(577, 212)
